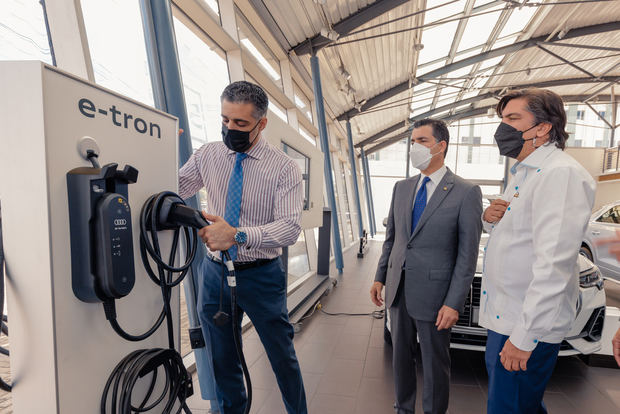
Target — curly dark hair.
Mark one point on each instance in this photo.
(546, 106)
(247, 92)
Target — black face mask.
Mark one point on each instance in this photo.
(238, 141)
(510, 140)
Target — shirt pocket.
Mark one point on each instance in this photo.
(521, 212)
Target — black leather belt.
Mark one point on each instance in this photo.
(244, 265)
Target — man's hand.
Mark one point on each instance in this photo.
(446, 318)
(375, 293)
(614, 244)
(495, 211)
(219, 235)
(615, 344)
(514, 359)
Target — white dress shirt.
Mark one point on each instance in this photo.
(435, 177)
(530, 280)
(272, 199)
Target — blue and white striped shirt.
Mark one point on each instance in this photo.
(272, 199)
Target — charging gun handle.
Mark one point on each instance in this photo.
(183, 215)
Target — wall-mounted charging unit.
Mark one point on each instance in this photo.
(102, 262)
(61, 238)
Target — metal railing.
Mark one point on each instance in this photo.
(611, 160)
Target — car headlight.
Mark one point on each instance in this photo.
(591, 279)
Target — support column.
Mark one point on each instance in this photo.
(329, 183)
(68, 37)
(354, 172)
(408, 155)
(169, 97)
(229, 24)
(371, 216)
(614, 111)
(372, 200)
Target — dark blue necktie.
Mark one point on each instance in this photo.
(419, 204)
(233, 199)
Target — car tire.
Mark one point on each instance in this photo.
(585, 250)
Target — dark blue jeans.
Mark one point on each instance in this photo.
(518, 392)
(261, 293)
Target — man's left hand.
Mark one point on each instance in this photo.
(615, 343)
(514, 359)
(219, 235)
(446, 318)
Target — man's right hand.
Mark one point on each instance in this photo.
(495, 211)
(375, 293)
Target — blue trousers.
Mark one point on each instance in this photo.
(261, 293)
(518, 392)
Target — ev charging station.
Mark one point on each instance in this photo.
(62, 348)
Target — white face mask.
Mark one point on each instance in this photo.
(420, 156)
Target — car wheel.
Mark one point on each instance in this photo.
(585, 250)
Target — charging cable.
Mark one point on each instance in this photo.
(167, 211)
(3, 319)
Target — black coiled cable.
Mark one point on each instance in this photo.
(3, 319)
(178, 385)
(139, 363)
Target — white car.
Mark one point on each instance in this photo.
(584, 336)
(603, 224)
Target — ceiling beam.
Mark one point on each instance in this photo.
(348, 24)
(388, 142)
(501, 51)
(568, 62)
(544, 84)
(380, 134)
(578, 46)
(469, 113)
(426, 114)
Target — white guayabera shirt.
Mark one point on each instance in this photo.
(530, 280)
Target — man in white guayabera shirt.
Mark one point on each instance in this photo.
(530, 280)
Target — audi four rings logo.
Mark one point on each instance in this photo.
(120, 222)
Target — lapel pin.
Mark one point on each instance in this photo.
(445, 189)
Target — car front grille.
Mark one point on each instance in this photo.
(469, 316)
(593, 330)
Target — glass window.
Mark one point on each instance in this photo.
(304, 165)
(347, 212)
(119, 55)
(472, 152)
(610, 216)
(298, 264)
(304, 133)
(252, 43)
(212, 8)
(479, 28)
(23, 32)
(585, 128)
(337, 206)
(277, 109)
(302, 102)
(205, 75)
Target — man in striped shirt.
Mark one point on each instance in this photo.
(254, 204)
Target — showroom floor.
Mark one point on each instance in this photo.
(347, 367)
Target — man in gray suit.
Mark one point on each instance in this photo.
(427, 265)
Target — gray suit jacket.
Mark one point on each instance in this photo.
(439, 258)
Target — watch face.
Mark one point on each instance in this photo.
(241, 237)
